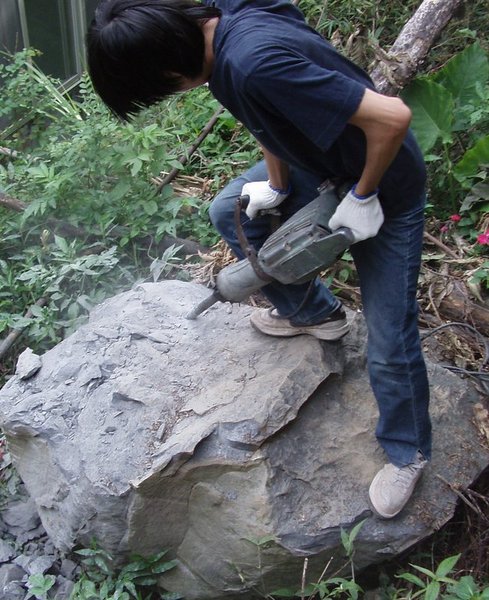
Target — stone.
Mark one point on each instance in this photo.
(238, 453)
(67, 568)
(28, 364)
(35, 564)
(6, 551)
(22, 515)
(63, 588)
(10, 573)
(12, 591)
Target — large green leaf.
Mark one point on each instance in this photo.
(432, 107)
(473, 160)
(464, 73)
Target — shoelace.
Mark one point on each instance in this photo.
(405, 475)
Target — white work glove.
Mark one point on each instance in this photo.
(362, 214)
(262, 196)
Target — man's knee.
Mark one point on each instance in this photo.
(221, 210)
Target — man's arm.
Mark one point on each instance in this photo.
(384, 121)
(278, 171)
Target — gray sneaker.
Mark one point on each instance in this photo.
(392, 487)
(268, 321)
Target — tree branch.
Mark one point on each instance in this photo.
(396, 67)
(12, 337)
(12, 203)
(184, 159)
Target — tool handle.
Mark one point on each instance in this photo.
(245, 200)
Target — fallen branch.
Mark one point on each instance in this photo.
(8, 152)
(433, 240)
(462, 496)
(457, 306)
(14, 335)
(184, 159)
(396, 67)
(12, 203)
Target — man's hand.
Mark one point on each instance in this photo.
(262, 196)
(362, 214)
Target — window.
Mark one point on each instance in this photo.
(10, 29)
(55, 27)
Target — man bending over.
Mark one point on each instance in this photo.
(316, 116)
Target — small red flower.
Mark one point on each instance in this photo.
(455, 218)
(444, 228)
(483, 238)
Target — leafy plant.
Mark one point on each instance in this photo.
(39, 585)
(450, 117)
(70, 281)
(431, 587)
(28, 95)
(442, 584)
(334, 586)
(165, 264)
(467, 589)
(93, 217)
(100, 581)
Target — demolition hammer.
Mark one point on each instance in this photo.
(296, 252)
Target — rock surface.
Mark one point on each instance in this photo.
(151, 432)
(26, 550)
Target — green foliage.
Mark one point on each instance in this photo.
(100, 581)
(333, 586)
(432, 107)
(383, 20)
(348, 539)
(430, 589)
(439, 584)
(39, 585)
(29, 95)
(450, 118)
(80, 171)
(70, 278)
(467, 589)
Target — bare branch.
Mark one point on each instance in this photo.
(12, 203)
(396, 67)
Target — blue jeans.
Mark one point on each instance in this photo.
(388, 267)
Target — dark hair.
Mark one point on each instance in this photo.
(138, 50)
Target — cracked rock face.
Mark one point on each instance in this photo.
(150, 432)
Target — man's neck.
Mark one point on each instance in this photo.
(208, 29)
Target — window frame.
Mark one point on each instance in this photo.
(77, 16)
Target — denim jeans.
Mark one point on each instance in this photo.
(388, 267)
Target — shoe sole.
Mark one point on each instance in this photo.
(383, 517)
(331, 335)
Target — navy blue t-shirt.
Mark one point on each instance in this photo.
(296, 93)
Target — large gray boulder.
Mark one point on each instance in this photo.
(150, 432)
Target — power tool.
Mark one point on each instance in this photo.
(296, 252)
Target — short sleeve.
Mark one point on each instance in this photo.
(316, 100)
